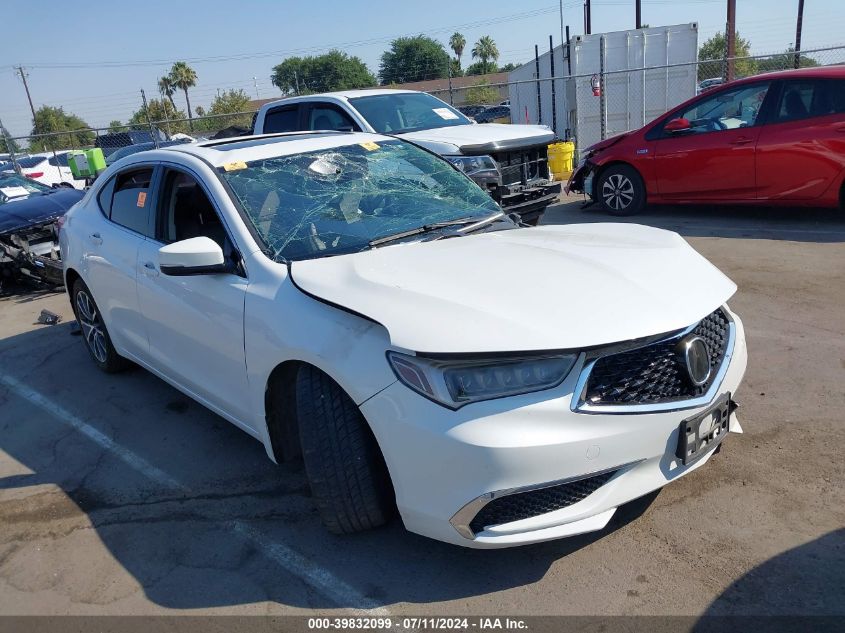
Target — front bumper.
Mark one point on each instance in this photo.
(441, 461)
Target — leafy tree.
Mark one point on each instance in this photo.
(481, 68)
(785, 61)
(49, 120)
(162, 114)
(322, 73)
(457, 43)
(4, 146)
(183, 77)
(167, 89)
(455, 68)
(413, 59)
(228, 102)
(508, 67)
(485, 49)
(116, 126)
(482, 93)
(716, 49)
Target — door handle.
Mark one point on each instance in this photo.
(96, 239)
(150, 269)
(742, 140)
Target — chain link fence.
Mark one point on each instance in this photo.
(581, 107)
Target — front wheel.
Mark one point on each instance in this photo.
(621, 190)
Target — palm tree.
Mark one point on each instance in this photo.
(183, 77)
(485, 50)
(167, 89)
(457, 43)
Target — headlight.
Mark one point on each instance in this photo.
(473, 164)
(459, 382)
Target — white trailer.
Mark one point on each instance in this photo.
(642, 72)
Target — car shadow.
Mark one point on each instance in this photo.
(745, 222)
(181, 542)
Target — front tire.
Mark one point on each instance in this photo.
(94, 332)
(348, 477)
(621, 190)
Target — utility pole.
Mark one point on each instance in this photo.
(639, 5)
(296, 79)
(153, 132)
(730, 37)
(255, 82)
(28, 96)
(588, 19)
(798, 26)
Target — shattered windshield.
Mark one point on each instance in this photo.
(338, 200)
(393, 113)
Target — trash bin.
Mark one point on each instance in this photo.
(560, 159)
(87, 163)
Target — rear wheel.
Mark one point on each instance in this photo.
(621, 191)
(348, 477)
(94, 331)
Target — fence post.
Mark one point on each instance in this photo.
(449, 71)
(539, 98)
(602, 88)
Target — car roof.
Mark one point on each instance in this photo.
(250, 148)
(816, 72)
(345, 94)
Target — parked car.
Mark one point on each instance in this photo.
(707, 84)
(29, 244)
(139, 147)
(495, 114)
(47, 169)
(110, 143)
(511, 162)
(471, 111)
(773, 139)
(353, 299)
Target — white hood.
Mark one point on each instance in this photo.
(484, 137)
(555, 287)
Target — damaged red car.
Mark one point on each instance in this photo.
(773, 139)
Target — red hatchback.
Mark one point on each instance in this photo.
(774, 139)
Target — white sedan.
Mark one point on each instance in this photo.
(356, 300)
(48, 169)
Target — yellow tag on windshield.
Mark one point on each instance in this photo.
(369, 146)
(238, 164)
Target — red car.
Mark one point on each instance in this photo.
(773, 139)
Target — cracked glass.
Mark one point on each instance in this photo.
(337, 201)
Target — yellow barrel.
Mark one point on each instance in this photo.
(560, 159)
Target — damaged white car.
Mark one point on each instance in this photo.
(358, 301)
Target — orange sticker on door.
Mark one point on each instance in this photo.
(142, 198)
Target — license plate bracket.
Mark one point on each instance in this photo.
(701, 433)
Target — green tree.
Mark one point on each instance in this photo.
(183, 77)
(481, 68)
(166, 89)
(116, 126)
(785, 61)
(4, 146)
(229, 102)
(457, 43)
(508, 67)
(456, 69)
(485, 49)
(413, 59)
(50, 120)
(334, 70)
(716, 49)
(482, 93)
(162, 114)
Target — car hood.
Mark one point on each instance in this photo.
(483, 137)
(608, 142)
(562, 287)
(18, 214)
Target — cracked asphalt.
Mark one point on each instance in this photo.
(88, 527)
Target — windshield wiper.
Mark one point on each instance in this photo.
(474, 221)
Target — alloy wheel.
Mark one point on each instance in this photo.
(92, 325)
(617, 191)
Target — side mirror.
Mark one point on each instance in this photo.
(195, 256)
(677, 125)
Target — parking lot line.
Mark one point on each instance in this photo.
(332, 587)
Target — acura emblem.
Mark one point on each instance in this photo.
(696, 357)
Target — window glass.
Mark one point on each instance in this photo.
(28, 162)
(185, 211)
(392, 113)
(326, 117)
(836, 92)
(726, 110)
(130, 202)
(282, 120)
(808, 98)
(58, 160)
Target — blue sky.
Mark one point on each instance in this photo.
(259, 34)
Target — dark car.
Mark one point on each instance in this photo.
(29, 244)
(495, 114)
(774, 139)
(471, 111)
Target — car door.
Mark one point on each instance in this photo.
(195, 324)
(112, 244)
(328, 116)
(801, 151)
(713, 158)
